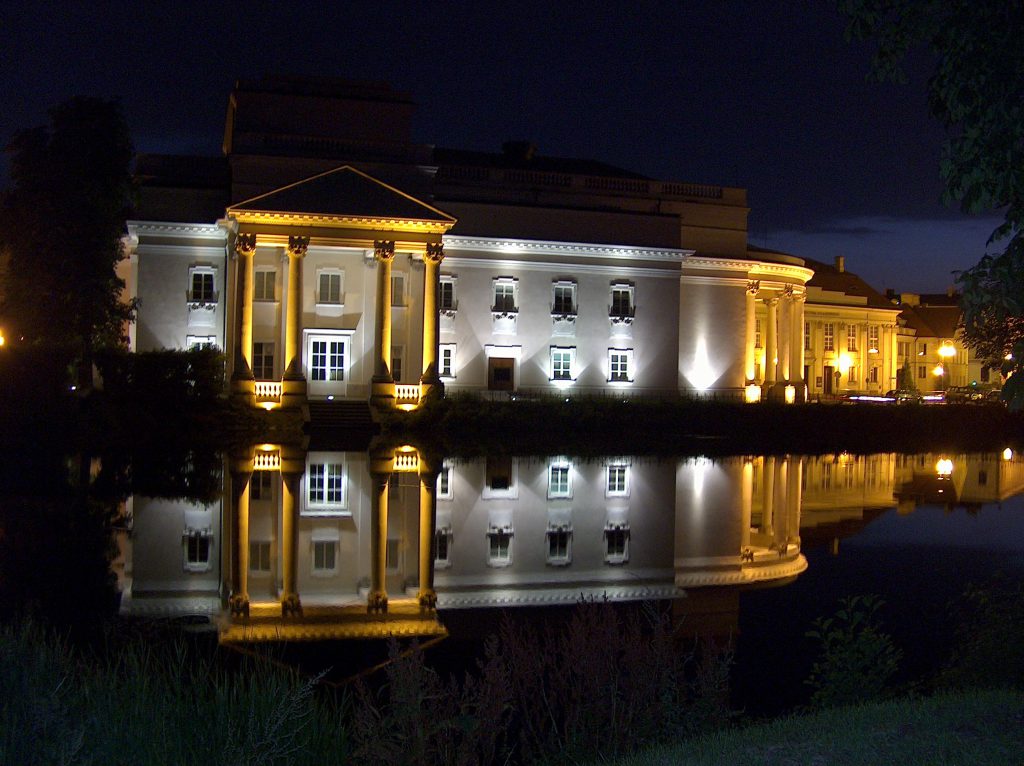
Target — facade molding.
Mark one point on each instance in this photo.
(520, 247)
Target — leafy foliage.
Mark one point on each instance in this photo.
(856, 658)
(977, 92)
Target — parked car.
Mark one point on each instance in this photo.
(904, 396)
(965, 394)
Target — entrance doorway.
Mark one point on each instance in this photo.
(827, 380)
(500, 374)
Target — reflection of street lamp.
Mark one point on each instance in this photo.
(944, 468)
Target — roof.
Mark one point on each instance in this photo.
(933, 321)
(521, 156)
(829, 278)
(343, 193)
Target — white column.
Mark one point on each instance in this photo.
(771, 345)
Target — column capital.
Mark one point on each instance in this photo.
(297, 246)
(772, 301)
(245, 244)
(384, 250)
(787, 291)
(434, 253)
(754, 286)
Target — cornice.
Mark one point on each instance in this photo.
(751, 267)
(337, 221)
(668, 272)
(555, 596)
(749, 573)
(514, 247)
(171, 229)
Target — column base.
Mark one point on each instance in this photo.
(382, 394)
(428, 599)
(244, 390)
(238, 605)
(291, 606)
(431, 390)
(293, 392)
(377, 602)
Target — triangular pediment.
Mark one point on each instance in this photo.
(343, 195)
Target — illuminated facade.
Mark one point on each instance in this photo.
(332, 260)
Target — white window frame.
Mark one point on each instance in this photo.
(448, 307)
(326, 387)
(446, 361)
(200, 341)
(445, 489)
(330, 274)
(560, 358)
(618, 556)
(191, 560)
(260, 284)
(617, 314)
(559, 475)
(564, 287)
(625, 356)
(616, 479)
(503, 558)
(267, 351)
(397, 355)
(757, 333)
(325, 485)
(829, 335)
(559, 558)
(202, 299)
(513, 288)
(256, 486)
(330, 370)
(326, 549)
(873, 334)
(807, 336)
(852, 337)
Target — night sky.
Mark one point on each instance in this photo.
(762, 95)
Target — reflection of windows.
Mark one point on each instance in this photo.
(260, 486)
(259, 556)
(873, 375)
(499, 545)
(559, 539)
(201, 285)
(397, 355)
(922, 371)
(617, 480)
(982, 478)
(397, 289)
(263, 360)
(499, 474)
(446, 294)
(325, 553)
(622, 301)
(504, 295)
(446, 360)
(562, 362)
(830, 336)
(563, 298)
(393, 554)
(264, 285)
(325, 486)
(326, 359)
(559, 480)
(197, 544)
(443, 547)
(620, 365)
(616, 542)
(445, 491)
(193, 342)
(329, 287)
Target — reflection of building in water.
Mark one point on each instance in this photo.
(328, 544)
(957, 480)
(842, 493)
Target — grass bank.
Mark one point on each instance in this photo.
(973, 727)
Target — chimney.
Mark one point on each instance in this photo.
(840, 263)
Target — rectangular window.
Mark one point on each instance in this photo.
(559, 545)
(499, 546)
(807, 336)
(397, 289)
(504, 295)
(622, 301)
(446, 360)
(851, 375)
(446, 294)
(559, 480)
(325, 556)
(620, 365)
(830, 336)
(260, 486)
(561, 363)
(982, 478)
(325, 486)
(616, 540)
(922, 349)
(329, 287)
(617, 480)
(263, 360)
(874, 375)
(194, 342)
(903, 348)
(326, 359)
(264, 289)
(197, 544)
(444, 484)
(922, 371)
(873, 338)
(202, 286)
(851, 337)
(443, 547)
(393, 554)
(986, 374)
(757, 333)
(259, 556)
(499, 474)
(563, 298)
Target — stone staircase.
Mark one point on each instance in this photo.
(338, 416)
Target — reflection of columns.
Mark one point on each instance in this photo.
(795, 476)
(768, 494)
(428, 520)
(241, 473)
(293, 382)
(786, 334)
(771, 344)
(747, 502)
(780, 509)
(378, 598)
(290, 603)
(750, 315)
(430, 381)
(242, 378)
(383, 385)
